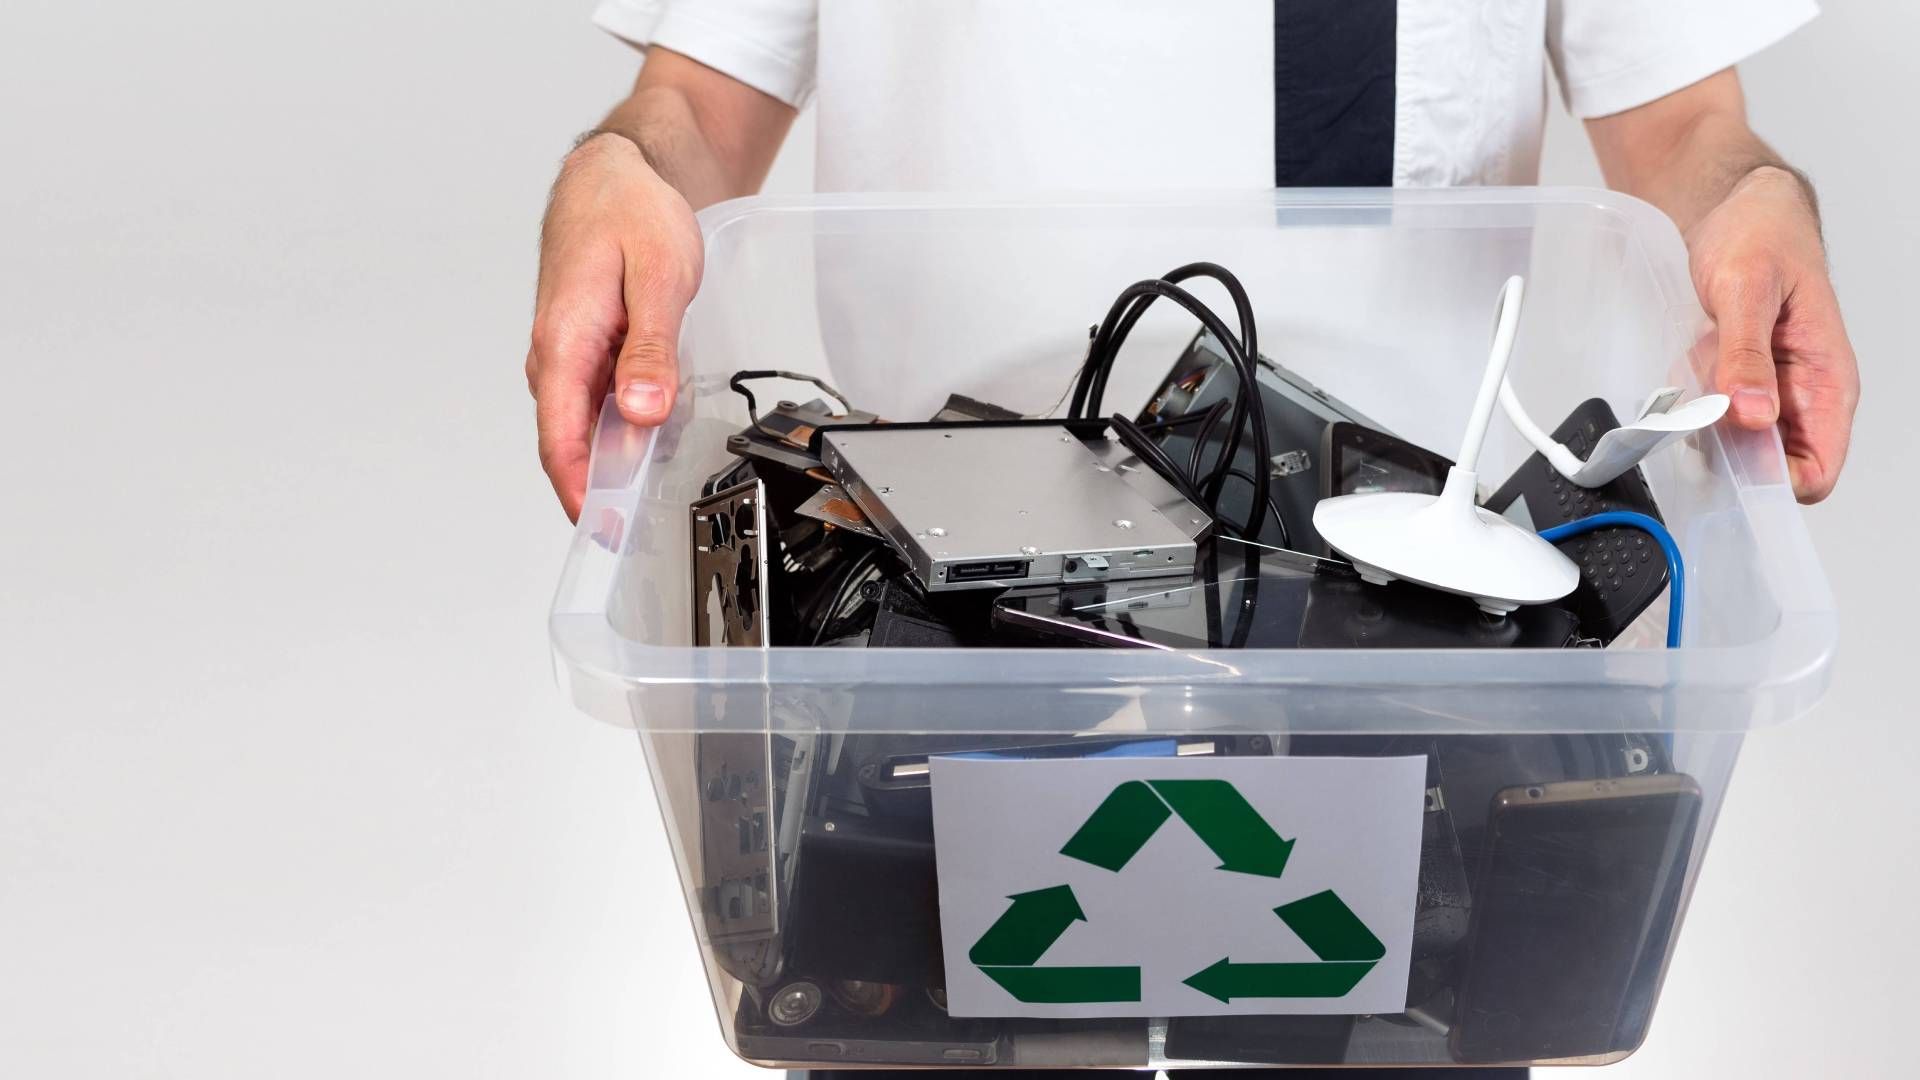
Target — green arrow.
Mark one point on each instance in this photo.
(1330, 928)
(1226, 980)
(1034, 921)
(1124, 822)
(1068, 985)
(1227, 823)
(1346, 948)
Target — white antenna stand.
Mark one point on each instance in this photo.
(1445, 541)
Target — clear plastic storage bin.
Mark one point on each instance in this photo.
(1381, 298)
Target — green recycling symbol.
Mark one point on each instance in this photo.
(1009, 952)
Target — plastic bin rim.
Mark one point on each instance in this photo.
(1647, 221)
(1791, 663)
(721, 214)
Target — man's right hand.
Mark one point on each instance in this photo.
(620, 254)
(620, 258)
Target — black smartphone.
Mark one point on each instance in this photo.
(1346, 613)
(1573, 913)
(1358, 460)
(1622, 570)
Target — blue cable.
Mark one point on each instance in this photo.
(1677, 569)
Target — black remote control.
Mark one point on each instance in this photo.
(1622, 570)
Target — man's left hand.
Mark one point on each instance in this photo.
(1761, 270)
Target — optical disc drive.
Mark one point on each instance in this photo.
(985, 505)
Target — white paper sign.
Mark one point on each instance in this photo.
(1177, 886)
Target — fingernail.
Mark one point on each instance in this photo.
(1753, 405)
(643, 398)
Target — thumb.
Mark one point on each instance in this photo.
(1745, 307)
(646, 373)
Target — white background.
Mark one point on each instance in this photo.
(285, 787)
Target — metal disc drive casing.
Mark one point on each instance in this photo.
(987, 505)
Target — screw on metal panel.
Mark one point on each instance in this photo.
(886, 491)
(1123, 523)
(1102, 466)
(829, 826)
(1029, 549)
(936, 531)
(1195, 521)
(1066, 438)
(1023, 513)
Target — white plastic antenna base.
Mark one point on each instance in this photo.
(1446, 542)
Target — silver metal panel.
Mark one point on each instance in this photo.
(740, 894)
(730, 589)
(1140, 477)
(993, 506)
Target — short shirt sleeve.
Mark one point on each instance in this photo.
(1613, 55)
(767, 44)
